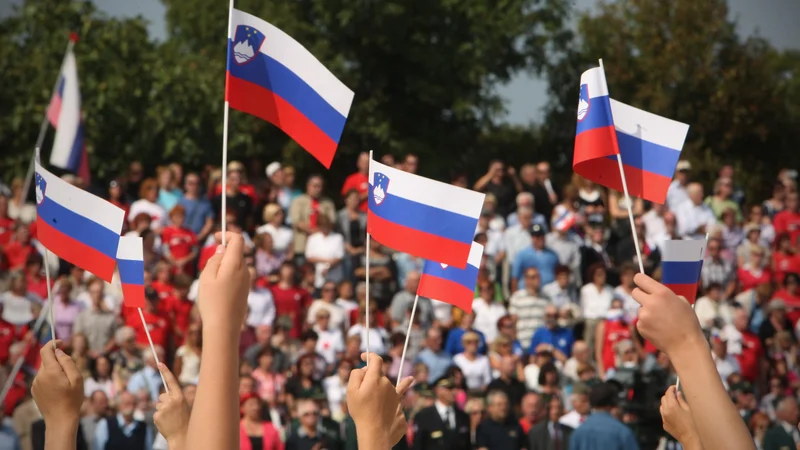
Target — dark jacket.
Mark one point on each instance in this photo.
(539, 438)
(776, 438)
(38, 432)
(430, 432)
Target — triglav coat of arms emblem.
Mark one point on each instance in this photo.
(380, 186)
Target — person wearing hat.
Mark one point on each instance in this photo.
(442, 426)
(537, 256)
(277, 177)
(752, 234)
(677, 195)
(601, 429)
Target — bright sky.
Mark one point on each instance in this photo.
(526, 95)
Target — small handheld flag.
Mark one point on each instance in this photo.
(76, 225)
(425, 218)
(130, 261)
(595, 137)
(450, 284)
(275, 78)
(681, 264)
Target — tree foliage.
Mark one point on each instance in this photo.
(684, 60)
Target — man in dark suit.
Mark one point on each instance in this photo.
(550, 435)
(784, 434)
(442, 426)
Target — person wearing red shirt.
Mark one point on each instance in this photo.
(359, 181)
(17, 251)
(163, 282)
(6, 223)
(37, 284)
(752, 273)
(746, 347)
(115, 197)
(788, 220)
(785, 259)
(157, 323)
(245, 188)
(609, 332)
(178, 307)
(179, 242)
(790, 295)
(289, 299)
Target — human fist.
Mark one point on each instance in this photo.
(172, 411)
(400, 425)
(665, 319)
(372, 402)
(224, 285)
(58, 387)
(677, 416)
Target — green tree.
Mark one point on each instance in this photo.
(683, 59)
(423, 71)
(115, 62)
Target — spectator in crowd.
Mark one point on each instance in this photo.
(198, 210)
(601, 429)
(550, 434)
(536, 256)
(443, 425)
(306, 210)
(678, 189)
(148, 204)
(527, 306)
(358, 182)
(96, 322)
(476, 367)
(435, 359)
(695, 218)
(123, 431)
(455, 339)
(499, 430)
(254, 432)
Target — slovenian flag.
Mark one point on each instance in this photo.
(681, 263)
(649, 145)
(422, 217)
(450, 284)
(64, 113)
(130, 260)
(273, 77)
(79, 227)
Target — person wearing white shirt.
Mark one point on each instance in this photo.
(487, 312)
(336, 389)
(518, 237)
(325, 249)
(596, 297)
(282, 236)
(654, 225)
(677, 194)
(694, 217)
(726, 364)
(261, 305)
(327, 302)
(378, 337)
(624, 291)
(712, 310)
(475, 367)
(331, 342)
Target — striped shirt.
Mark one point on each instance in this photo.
(529, 309)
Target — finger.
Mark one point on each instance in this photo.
(212, 266)
(173, 385)
(233, 257)
(68, 366)
(374, 366)
(403, 385)
(48, 355)
(163, 398)
(354, 383)
(647, 284)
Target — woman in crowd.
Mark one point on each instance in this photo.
(754, 271)
(269, 382)
(65, 310)
(187, 357)
(591, 198)
(353, 224)
(476, 367)
(255, 433)
(759, 424)
(267, 260)
(456, 375)
(785, 259)
(613, 329)
(34, 276)
(168, 193)
(336, 389)
(80, 353)
(487, 311)
(595, 300)
(325, 249)
(147, 203)
(282, 236)
(549, 382)
(732, 234)
(302, 384)
(100, 378)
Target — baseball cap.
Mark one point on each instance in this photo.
(272, 168)
(683, 165)
(537, 230)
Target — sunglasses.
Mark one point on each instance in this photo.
(310, 413)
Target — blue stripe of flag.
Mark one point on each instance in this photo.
(466, 277)
(680, 272)
(78, 227)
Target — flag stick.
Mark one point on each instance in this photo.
(678, 378)
(18, 365)
(225, 113)
(627, 199)
(45, 123)
(408, 336)
(51, 309)
(366, 263)
(152, 348)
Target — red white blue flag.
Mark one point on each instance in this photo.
(681, 263)
(450, 284)
(273, 77)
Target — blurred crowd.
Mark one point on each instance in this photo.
(552, 318)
